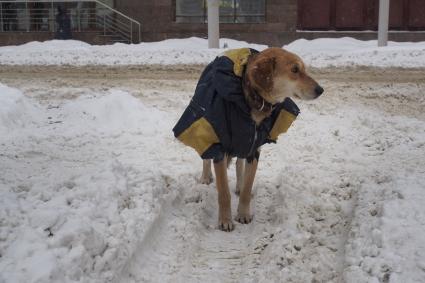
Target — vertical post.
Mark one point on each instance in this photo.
(234, 11)
(27, 16)
(1, 16)
(213, 24)
(384, 14)
(79, 16)
(131, 32)
(104, 25)
(52, 13)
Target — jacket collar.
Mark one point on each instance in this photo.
(255, 100)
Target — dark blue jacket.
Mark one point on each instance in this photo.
(218, 120)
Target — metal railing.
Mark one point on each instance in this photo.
(85, 15)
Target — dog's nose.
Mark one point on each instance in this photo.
(318, 90)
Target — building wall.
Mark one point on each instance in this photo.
(157, 18)
(359, 14)
(158, 23)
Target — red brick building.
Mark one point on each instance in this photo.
(284, 20)
(273, 22)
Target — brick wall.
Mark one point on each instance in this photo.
(157, 20)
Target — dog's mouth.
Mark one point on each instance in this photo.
(302, 97)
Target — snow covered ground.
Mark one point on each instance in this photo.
(94, 188)
(323, 52)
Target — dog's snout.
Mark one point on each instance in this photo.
(319, 90)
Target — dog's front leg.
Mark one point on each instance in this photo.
(206, 177)
(244, 215)
(224, 208)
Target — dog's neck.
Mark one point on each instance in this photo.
(260, 108)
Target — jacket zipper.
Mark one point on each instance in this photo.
(255, 139)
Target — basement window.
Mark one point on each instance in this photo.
(231, 11)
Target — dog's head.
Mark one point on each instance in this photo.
(276, 74)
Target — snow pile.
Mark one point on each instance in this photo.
(71, 52)
(76, 228)
(65, 45)
(75, 215)
(196, 43)
(16, 110)
(324, 52)
(347, 52)
(112, 113)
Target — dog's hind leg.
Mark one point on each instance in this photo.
(206, 177)
(225, 222)
(244, 216)
(240, 168)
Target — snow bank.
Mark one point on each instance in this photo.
(71, 52)
(63, 231)
(78, 213)
(77, 228)
(343, 52)
(115, 112)
(112, 113)
(322, 52)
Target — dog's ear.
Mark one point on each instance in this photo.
(262, 73)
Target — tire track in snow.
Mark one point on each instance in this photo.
(287, 235)
(186, 246)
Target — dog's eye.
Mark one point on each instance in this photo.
(295, 69)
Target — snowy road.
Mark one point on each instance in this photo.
(339, 198)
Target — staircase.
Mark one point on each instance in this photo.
(118, 27)
(110, 38)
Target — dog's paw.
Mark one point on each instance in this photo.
(226, 225)
(206, 180)
(244, 218)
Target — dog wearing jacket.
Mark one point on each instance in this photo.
(242, 101)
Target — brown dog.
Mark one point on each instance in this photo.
(260, 86)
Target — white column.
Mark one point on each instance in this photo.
(384, 14)
(213, 24)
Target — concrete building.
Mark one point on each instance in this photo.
(272, 22)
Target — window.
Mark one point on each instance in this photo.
(231, 11)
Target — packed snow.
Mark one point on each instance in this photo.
(325, 52)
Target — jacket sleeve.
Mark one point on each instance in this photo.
(282, 118)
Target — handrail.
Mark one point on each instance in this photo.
(114, 24)
(116, 28)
